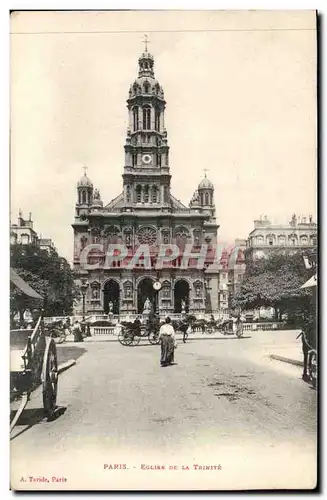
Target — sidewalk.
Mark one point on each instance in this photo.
(288, 354)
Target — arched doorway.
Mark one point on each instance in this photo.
(181, 293)
(111, 293)
(145, 291)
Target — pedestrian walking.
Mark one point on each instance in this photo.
(184, 327)
(168, 343)
(77, 332)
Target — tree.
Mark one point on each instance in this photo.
(46, 272)
(275, 282)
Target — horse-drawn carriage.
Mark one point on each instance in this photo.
(130, 334)
(33, 361)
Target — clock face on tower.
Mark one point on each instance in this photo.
(147, 159)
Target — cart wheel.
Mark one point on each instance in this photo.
(50, 379)
(154, 338)
(125, 337)
(135, 340)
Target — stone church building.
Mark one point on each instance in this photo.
(146, 212)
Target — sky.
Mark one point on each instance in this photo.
(240, 88)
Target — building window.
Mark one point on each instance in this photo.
(146, 194)
(207, 199)
(292, 240)
(157, 120)
(259, 240)
(134, 160)
(135, 118)
(158, 160)
(281, 240)
(24, 239)
(138, 194)
(304, 240)
(83, 197)
(154, 194)
(146, 119)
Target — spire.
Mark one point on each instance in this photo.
(146, 41)
(146, 61)
(84, 180)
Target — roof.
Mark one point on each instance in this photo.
(85, 181)
(23, 286)
(205, 184)
(313, 281)
(118, 202)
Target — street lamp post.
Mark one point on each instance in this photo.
(84, 287)
(157, 287)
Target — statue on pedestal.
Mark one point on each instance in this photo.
(111, 307)
(183, 303)
(147, 306)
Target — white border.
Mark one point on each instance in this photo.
(7, 5)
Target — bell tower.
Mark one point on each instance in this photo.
(146, 172)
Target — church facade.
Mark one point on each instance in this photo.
(146, 213)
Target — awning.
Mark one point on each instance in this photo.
(313, 281)
(23, 286)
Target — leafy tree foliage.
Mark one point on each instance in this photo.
(275, 281)
(49, 274)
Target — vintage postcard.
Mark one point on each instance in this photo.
(163, 241)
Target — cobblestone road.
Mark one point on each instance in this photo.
(223, 404)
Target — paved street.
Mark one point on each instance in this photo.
(224, 403)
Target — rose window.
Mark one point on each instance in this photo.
(147, 235)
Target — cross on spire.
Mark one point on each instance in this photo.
(146, 41)
(85, 169)
(205, 170)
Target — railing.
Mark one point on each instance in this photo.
(103, 330)
(263, 326)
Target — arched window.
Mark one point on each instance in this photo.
(24, 239)
(135, 118)
(138, 193)
(281, 240)
(146, 88)
(304, 240)
(134, 160)
(146, 118)
(201, 199)
(259, 240)
(158, 160)
(157, 120)
(206, 198)
(83, 197)
(154, 194)
(146, 194)
(292, 239)
(270, 239)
